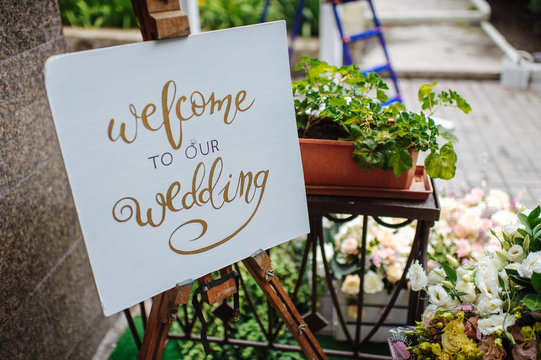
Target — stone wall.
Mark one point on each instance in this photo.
(49, 307)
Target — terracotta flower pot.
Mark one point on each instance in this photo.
(329, 162)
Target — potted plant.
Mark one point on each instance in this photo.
(340, 114)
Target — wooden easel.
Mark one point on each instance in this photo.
(161, 19)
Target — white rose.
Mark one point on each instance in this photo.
(351, 285)
(373, 283)
(488, 305)
(515, 253)
(504, 218)
(438, 296)
(531, 264)
(470, 223)
(417, 277)
(394, 272)
(495, 322)
(469, 289)
(497, 199)
(447, 206)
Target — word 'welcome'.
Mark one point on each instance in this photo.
(204, 189)
(184, 109)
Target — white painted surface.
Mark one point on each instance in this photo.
(132, 262)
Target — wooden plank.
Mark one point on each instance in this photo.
(161, 19)
(162, 314)
(259, 267)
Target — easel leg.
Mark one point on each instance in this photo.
(163, 313)
(259, 267)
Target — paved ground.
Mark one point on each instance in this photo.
(499, 144)
(499, 140)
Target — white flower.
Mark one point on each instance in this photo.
(497, 199)
(515, 253)
(488, 305)
(417, 277)
(470, 223)
(429, 311)
(351, 285)
(464, 274)
(490, 289)
(531, 264)
(373, 283)
(495, 322)
(436, 276)
(469, 289)
(438, 296)
(504, 218)
(448, 205)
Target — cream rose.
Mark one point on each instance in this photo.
(373, 283)
(351, 285)
(497, 199)
(394, 272)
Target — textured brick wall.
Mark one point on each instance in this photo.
(48, 303)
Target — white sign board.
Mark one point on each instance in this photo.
(182, 155)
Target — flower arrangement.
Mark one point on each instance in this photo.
(387, 253)
(490, 309)
(464, 229)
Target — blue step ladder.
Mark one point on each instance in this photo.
(376, 31)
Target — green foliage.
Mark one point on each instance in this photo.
(97, 13)
(383, 136)
(221, 14)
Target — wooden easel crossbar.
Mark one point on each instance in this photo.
(161, 19)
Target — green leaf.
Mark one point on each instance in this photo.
(532, 302)
(399, 159)
(366, 156)
(382, 97)
(451, 274)
(342, 270)
(447, 134)
(536, 282)
(462, 104)
(535, 213)
(443, 164)
(524, 220)
(425, 90)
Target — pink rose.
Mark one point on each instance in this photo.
(525, 351)
(463, 248)
(475, 196)
(350, 246)
(490, 350)
(470, 327)
(376, 260)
